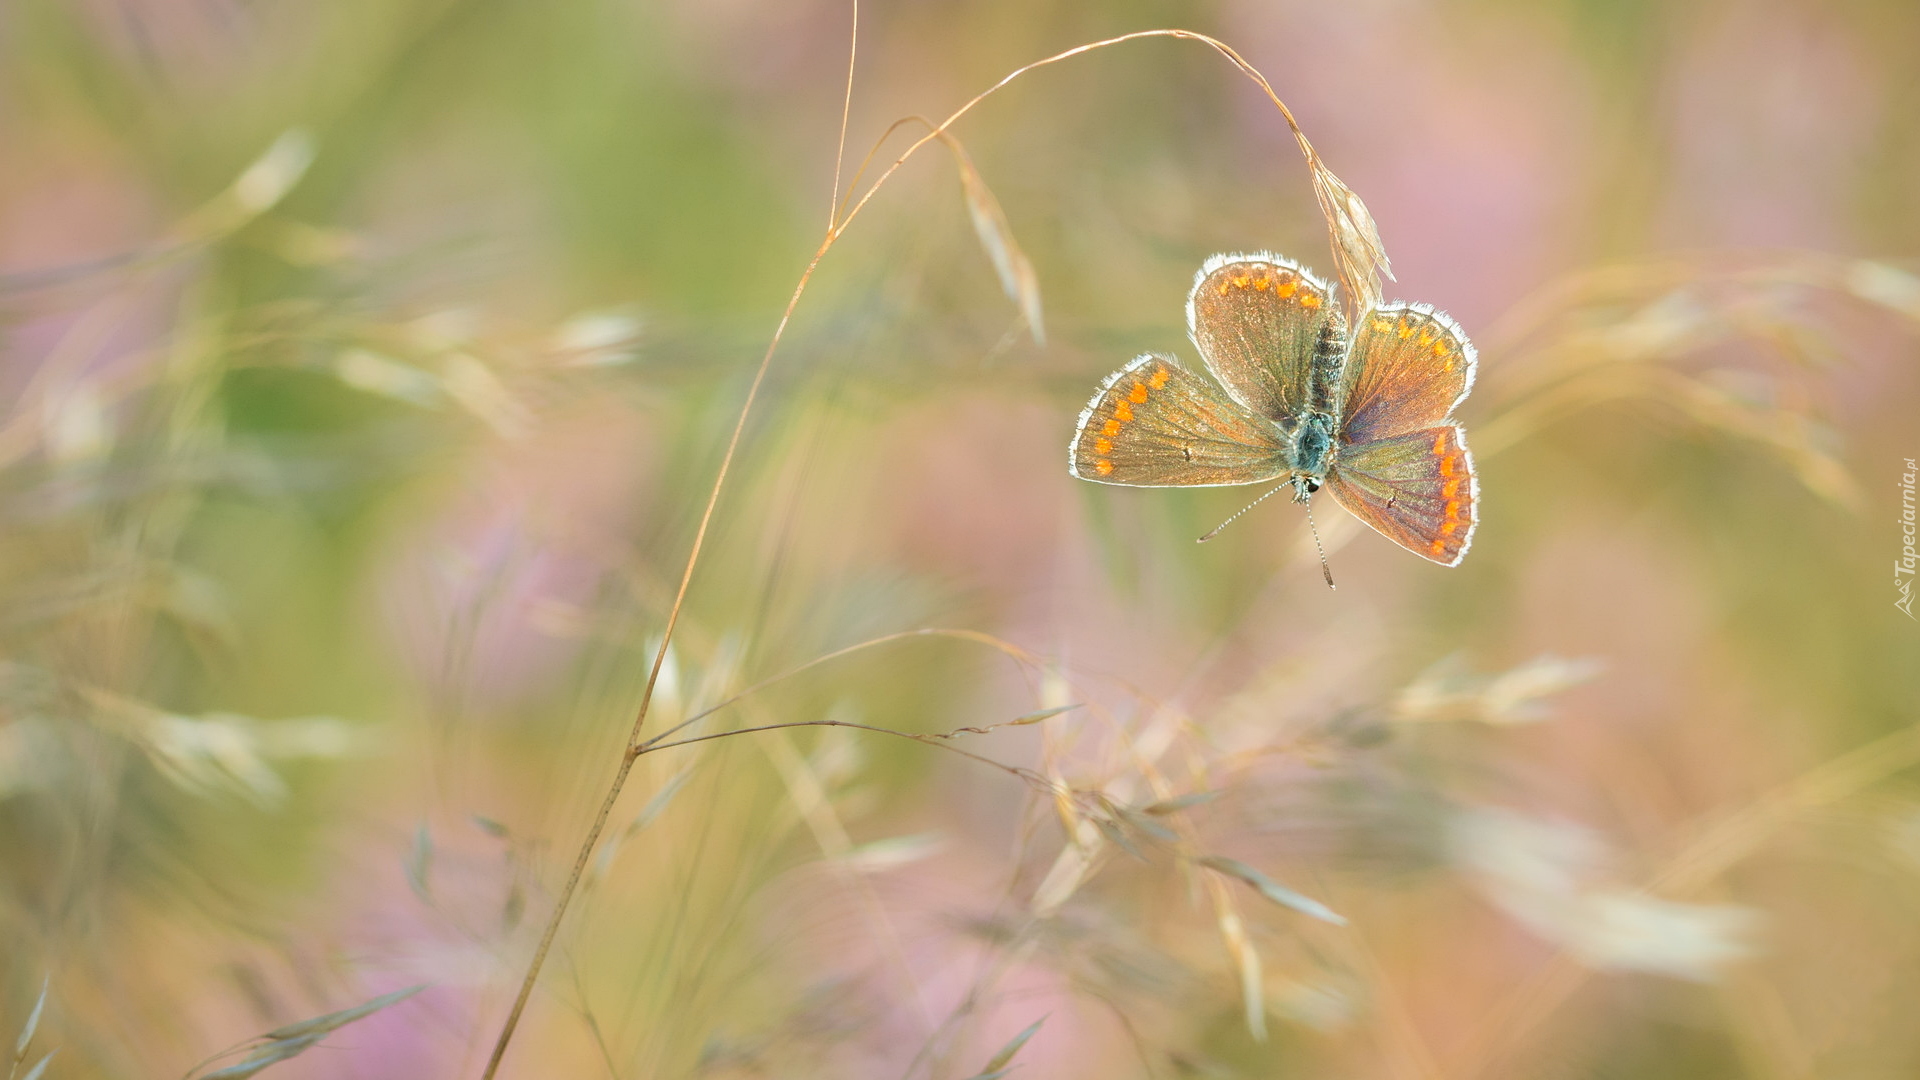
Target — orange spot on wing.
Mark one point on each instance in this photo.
(1159, 378)
(1383, 326)
(1103, 467)
(1110, 428)
(1262, 282)
(1438, 547)
(1286, 288)
(1104, 446)
(1123, 412)
(1451, 489)
(1447, 529)
(1310, 301)
(1139, 394)
(1224, 286)
(1440, 444)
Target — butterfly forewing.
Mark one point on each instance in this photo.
(1407, 368)
(1417, 489)
(1257, 320)
(1372, 416)
(1153, 423)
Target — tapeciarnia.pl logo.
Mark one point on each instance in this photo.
(1903, 567)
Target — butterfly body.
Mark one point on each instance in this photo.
(1300, 400)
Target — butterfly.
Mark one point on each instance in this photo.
(1366, 413)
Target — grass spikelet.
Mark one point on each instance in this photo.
(1271, 889)
(997, 1066)
(1358, 252)
(27, 1031)
(292, 1040)
(1010, 264)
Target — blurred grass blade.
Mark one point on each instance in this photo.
(1885, 285)
(478, 389)
(1447, 692)
(654, 808)
(40, 1067)
(1117, 837)
(1143, 823)
(274, 173)
(1246, 958)
(297, 1038)
(420, 863)
(1016, 274)
(894, 851)
(661, 799)
(259, 188)
(202, 604)
(1273, 890)
(599, 338)
(1068, 814)
(372, 373)
(514, 907)
(271, 1054)
(1179, 803)
(1515, 694)
(33, 1022)
(996, 1066)
(1036, 717)
(320, 1025)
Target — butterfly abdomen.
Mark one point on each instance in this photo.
(1323, 372)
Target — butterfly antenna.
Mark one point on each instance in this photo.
(1325, 570)
(1236, 516)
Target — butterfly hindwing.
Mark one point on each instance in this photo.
(1407, 368)
(1417, 489)
(1257, 320)
(1153, 423)
(1370, 417)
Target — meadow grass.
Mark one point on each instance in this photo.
(1220, 872)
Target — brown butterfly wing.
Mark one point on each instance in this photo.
(1153, 424)
(1407, 368)
(1256, 320)
(1418, 490)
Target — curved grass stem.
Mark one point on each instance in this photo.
(633, 748)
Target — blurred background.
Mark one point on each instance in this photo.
(366, 367)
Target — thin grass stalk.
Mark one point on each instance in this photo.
(631, 752)
(1009, 648)
(633, 747)
(846, 113)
